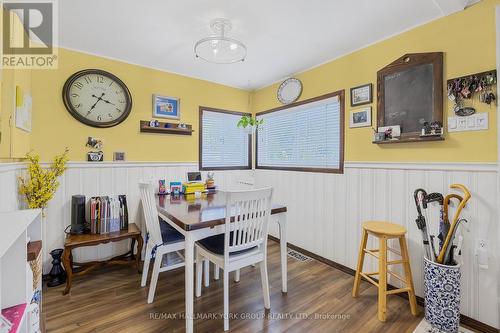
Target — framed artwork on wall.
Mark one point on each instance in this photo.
(361, 95)
(360, 117)
(23, 110)
(166, 107)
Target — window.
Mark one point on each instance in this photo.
(303, 136)
(223, 146)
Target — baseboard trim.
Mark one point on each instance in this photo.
(464, 320)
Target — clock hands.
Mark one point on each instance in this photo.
(108, 102)
(98, 100)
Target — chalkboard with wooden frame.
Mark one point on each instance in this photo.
(410, 92)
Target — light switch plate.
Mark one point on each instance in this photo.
(482, 121)
(452, 123)
(475, 122)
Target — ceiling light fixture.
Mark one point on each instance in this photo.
(220, 49)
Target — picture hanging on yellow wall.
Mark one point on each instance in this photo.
(361, 117)
(23, 110)
(166, 107)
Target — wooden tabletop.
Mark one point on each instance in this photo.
(190, 213)
(92, 239)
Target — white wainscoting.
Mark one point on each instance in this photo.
(108, 178)
(9, 199)
(325, 212)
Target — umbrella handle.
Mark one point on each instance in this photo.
(464, 200)
(464, 189)
(446, 203)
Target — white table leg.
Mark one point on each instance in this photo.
(189, 261)
(206, 272)
(283, 251)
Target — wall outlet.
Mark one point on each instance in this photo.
(481, 244)
(475, 122)
(482, 253)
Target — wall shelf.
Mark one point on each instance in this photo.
(163, 129)
(410, 139)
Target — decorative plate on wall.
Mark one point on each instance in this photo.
(289, 90)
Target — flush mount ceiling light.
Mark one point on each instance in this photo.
(220, 49)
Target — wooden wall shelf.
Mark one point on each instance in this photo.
(163, 129)
(410, 139)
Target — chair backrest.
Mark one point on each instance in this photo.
(244, 184)
(247, 217)
(150, 212)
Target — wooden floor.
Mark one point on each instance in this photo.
(111, 300)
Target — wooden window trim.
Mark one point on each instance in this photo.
(340, 169)
(200, 161)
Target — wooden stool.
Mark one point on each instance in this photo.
(384, 231)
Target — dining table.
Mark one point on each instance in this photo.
(204, 216)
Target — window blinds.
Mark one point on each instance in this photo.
(223, 144)
(304, 136)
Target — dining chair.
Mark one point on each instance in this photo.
(243, 243)
(161, 239)
(239, 184)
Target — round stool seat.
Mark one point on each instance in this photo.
(384, 228)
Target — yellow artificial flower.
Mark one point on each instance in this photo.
(42, 184)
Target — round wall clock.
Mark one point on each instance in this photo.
(289, 90)
(97, 98)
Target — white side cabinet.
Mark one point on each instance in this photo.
(19, 297)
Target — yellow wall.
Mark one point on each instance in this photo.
(54, 128)
(468, 41)
(14, 142)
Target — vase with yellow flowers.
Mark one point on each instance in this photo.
(41, 184)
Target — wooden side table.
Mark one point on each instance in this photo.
(74, 241)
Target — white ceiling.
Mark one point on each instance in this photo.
(283, 37)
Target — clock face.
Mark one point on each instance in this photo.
(97, 98)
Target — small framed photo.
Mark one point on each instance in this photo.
(392, 132)
(361, 117)
(166, 107)
(361, 95)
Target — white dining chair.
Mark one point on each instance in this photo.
(238, 185)
(161, 239)
(243, 243)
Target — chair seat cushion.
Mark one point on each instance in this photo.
(215, 244)
(169, 234)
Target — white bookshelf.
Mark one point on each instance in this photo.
(16, 229)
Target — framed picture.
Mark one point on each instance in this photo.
(361, 117)
(166, 107)
(395, 131)
(361, 95)
(23, 104)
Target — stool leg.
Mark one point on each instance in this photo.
(359, 268)
(408, 277)
(382, 279)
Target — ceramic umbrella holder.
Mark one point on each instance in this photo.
(442, 296)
